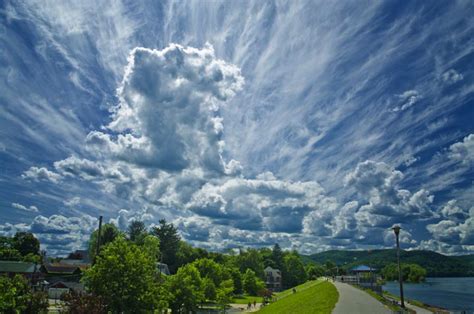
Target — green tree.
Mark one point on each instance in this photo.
(209, 289)
(417, 273)
(236, 279)
(26, 243)
(251, 259)
(293, 272)
(31, 258)
(251, 283)
(7, 252)
(170, 242)
(186, 288)
(410, 272)
(125, 276)
(331, 268)
(277, 257)
(212, 270)
(108, 234)
(17, 297)
(225, 293)
(151, 245)
(314, 271)
(137, 231)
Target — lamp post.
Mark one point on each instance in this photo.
(370, 272)
(396, 229)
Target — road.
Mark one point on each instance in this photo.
(354, 301)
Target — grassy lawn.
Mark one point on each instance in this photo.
(319, 297)
(246, 299)
(302, 287)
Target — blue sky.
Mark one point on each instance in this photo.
(245, 123)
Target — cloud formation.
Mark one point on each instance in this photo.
(452, 76)
(163, 150)
(31, 208)
(463, 151)
(41, 174)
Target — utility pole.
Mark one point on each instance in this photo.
(396, 229)
(98, 238)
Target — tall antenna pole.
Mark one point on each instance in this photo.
(98, 237)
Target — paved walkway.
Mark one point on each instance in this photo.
(354, 301)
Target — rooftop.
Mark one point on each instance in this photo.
(17, 267)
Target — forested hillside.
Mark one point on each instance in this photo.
(437, 265)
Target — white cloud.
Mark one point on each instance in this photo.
(378, 183)
(57, 234)
(172, 123)
(404, 237)
(454, 232)
(445, 248)
(31, 208)
(40, 174)
(407, 99)
(164, 149)
(452, 210)
(452, 76)
(72, 202)
(463, 151)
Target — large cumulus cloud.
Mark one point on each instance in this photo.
(163, 150)
(387, 202)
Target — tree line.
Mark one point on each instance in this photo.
(124, 276)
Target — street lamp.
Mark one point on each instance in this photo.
(396, 229)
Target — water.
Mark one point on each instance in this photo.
(449, 293)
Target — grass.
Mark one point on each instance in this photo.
(246, 299)
(301, 287)
(318, 297)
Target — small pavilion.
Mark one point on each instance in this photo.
(364, 274)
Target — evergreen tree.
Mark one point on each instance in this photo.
(169, 243)
(137, 231)
(277, 257)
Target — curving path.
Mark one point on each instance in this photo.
(354, 301)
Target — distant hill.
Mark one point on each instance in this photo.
(437, 265)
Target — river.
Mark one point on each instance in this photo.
(450, 293)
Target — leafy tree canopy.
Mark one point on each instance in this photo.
(108, 234)
(26, 243)
(125, 277)
(187, 290)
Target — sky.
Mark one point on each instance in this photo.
(315, 125)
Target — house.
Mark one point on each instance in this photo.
(273, 278)
(61, 272)
(82, 264)
(57, 289)
(82, 255)
(163, 268)
(12, 268)
(31, 271)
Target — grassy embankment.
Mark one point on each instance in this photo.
(311, 297)
(245, 299)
